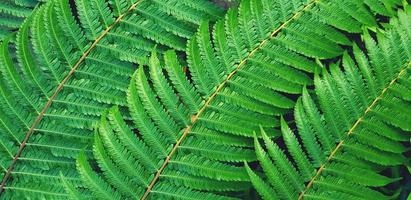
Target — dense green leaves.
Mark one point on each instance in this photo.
(182, 126)
(355, 130)
(199, 164)
(13, 13)
(204, 134)
(76, 70)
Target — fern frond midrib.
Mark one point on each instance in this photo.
(195, 118)
(60, 86)
(351, 130)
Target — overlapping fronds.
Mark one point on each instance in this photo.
(192, 138)
(248, 65)
(354, 128)
(63, 71)
(13, 13)
(129, 163)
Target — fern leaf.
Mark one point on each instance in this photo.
(89, 63)
(63, 68)
(349, 116)
(13, 13)
(188, 149)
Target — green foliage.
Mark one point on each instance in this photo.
(353, 130)
(128, 163)
(193, 136)
(167, 131)
(13, 13)
(35, 71)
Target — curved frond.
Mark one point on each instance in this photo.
(355, 128)
(65, 67)
(200, 130)
(13, 13)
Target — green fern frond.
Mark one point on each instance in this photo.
(13, 13)
(62, 70)
(248, 63)
(127, 164)
(355, 130)
(193, 132)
